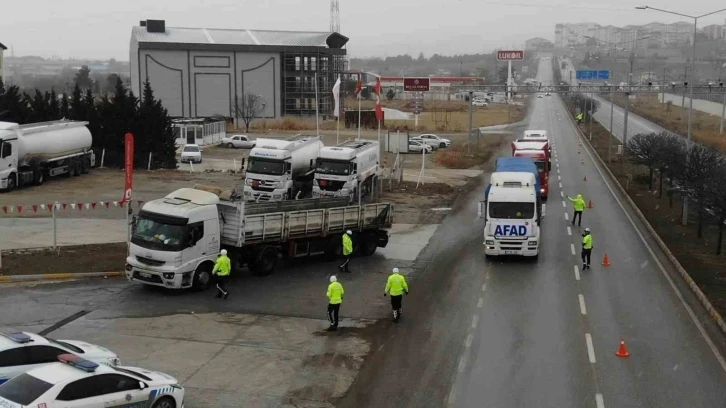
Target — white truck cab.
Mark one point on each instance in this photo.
(175, 240)
(341, 170)
(512, 215)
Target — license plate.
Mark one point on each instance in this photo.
(510, 252)
(145, 275)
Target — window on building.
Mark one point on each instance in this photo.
(313, 64)
(305, 63)
(297, 103)
(297, 63)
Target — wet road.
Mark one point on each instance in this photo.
(636, 124)
(521, 334)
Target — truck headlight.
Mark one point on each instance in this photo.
(489, 242)
(248, 182)
(532, 243)
(168, 275)
(129, 267)
(541, 190)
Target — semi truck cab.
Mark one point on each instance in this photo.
(341, 170)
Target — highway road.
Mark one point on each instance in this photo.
(514, 333)
(636, 124)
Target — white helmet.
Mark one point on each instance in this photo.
(587, 229)
(223, 252)
(333, 279)
(349, 232)
(162, 237)
(395, 270)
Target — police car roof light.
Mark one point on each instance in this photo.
(78, 362)
(18, 337)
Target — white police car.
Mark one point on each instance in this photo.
(22, 351)
(78, 383)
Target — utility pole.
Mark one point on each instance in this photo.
(685, 79)
(471, 111)
(627, 103)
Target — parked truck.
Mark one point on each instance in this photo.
(175, 240)
(279, 170)
(512, 210)
(539, 153)
(31, 153)
(346, 169)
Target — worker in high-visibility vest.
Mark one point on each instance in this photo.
(579, 204)
(580, 117)
(335, 299)
(347, 251)
(586, 248)
(396, 286)
(222, 268)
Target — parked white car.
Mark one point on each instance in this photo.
(433, 140)
(238, 142)
(76, 382)
(22, 351)
(191, 154)
(416, 146)
(480, 103)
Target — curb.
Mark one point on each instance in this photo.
(712, 312)
(59, 276)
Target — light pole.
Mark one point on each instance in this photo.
(690, 90)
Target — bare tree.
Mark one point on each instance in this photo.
(670, 157)
(716, 199)
(699, 171)
(643, 149)
(248, 108)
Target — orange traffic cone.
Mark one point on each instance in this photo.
(622, 350)
(584, 178)
(606, 261)
(589, 204)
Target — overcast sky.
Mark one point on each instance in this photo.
(101, 28)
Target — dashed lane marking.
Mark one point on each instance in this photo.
(577, 273)
(567, 217)
(583, 309)
(474, 322)
(599, 401)
(590, 348)
(564, 205)
(480, 303)
(572, 248)
(569, 231)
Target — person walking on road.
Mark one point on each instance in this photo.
(222, 268)
(396, 287)
(335, 298)
(347, 251)
(586, 248)
(579, 204)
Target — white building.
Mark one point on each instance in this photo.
(199, 72)
(2, 66)
(661, 35)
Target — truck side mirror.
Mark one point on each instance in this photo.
(480, 208)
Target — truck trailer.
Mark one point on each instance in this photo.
(176, 239)
(342, 170)
(30, 153)
(539, 153)
(279, 170)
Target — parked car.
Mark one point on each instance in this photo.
(238, 142)
(548, 94)
(480, 103)
(23, 351)
(191, 154)
(539, 96)
(416, 146)
(433, 140)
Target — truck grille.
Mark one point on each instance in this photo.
(331, 185)
(151, 278)
(261, 188)
(150, 262)
(511, 245)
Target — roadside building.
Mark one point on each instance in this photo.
(199, 72)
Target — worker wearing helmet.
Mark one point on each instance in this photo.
(579, 117)
(579, 204)
(586, 248)
(335, 299)
(396, 287)
(347, 251)
(222, 268)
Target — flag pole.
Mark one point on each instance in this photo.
(317, 117)
(359, 98)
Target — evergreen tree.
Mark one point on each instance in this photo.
(53, 106)
(65, 108)
(118, 116)
(90, 115)
(156, 132)
(38, 103)
(78, 110)
(12, 108)
(83, 78)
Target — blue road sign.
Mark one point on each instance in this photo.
(586, 74)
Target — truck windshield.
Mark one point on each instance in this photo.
(263, 166)
(516, 211)
(159, 234)
(338, 168)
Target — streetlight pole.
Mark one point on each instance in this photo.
(684, 221)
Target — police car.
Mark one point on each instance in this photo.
(74, 382)
(22, 351)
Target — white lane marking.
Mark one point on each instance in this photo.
(559, 178)
(484, 287)
(569, 231)
(558, 169)
(562, 194)
(572, 248)
(564, 205)
(560, 184)
(567, 217)
(462, 364)
(577, 273)
(590, 348)
(474, 322)
(678, 293)
(469, 339)
(480, 303)
(583, 310)
(599, 401)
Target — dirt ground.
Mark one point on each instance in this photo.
(70, 259)
(697, 255)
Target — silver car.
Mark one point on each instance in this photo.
(238, 142)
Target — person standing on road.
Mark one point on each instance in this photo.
(335, 298)
(396, 287)
(347, 251)
(579, 204)
(586, 248)
(222, 268)
(579, 117)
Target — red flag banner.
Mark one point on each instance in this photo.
(128, 166)
(93, 205)
(5, 209)
(379, 108)
(20, 208)
(35, 208)
(358, 89)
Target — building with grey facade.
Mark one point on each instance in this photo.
(199, 72)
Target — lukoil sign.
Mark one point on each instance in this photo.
(510, 55)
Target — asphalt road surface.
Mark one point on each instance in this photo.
(636, 124)
(514, 333)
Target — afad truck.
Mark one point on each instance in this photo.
(281, 169)
(175, 240)
(512, 209)
(31, 153)
(342, 170)
(539, 153)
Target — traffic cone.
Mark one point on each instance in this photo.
(583, 160)
(584, 178)
(606, 261)
(622, 350)
(589, 204)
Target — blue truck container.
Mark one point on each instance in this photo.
(517, 164)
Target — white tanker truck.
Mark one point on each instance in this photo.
(30, 153)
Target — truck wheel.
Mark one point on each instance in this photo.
(266, 262)
(11, 182)
(369, 247)
(76, 168)
(85, 166)
(202, 277)
(39, 177)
